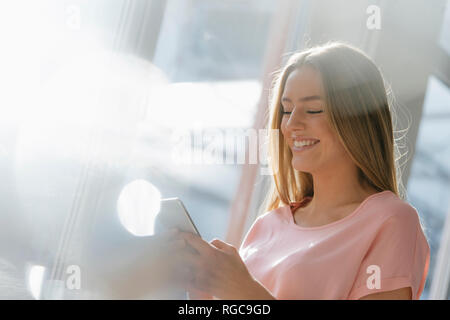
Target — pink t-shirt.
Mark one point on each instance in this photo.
(378, 247)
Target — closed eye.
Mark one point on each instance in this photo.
(311, 112)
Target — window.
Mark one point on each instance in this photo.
(429, 183)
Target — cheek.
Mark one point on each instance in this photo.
(326, 132)
(334, 146)
(340, 150)
(330, 144)
(283, 127)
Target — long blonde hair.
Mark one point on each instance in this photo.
(359, 113)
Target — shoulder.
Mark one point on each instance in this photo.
(269, 218)
(386, 215)
(391, 208)
(274, 214)
(395, 222)
(397, 245)
(262, 227)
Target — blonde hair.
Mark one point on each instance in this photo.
(358, 112)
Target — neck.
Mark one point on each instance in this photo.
(337, 188)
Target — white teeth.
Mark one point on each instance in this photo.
(299, 144)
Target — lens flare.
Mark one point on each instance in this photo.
(138, 206)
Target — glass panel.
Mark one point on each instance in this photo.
(429, 182)
(96, 127)
(444, 39)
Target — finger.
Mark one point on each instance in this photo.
(172, 240)
(203, 247)
(222, 245)
(180, 244)
(183, 258)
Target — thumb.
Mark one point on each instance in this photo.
(219, 244)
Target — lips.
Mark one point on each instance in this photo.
(300, 142)
(296, 138)
(299, 148)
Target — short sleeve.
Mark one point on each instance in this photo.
(397, 257)
(252, 233)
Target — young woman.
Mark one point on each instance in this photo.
(335, 225)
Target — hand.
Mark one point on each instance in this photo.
(216, 269)
(140, 267)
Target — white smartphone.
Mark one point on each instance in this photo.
(173, 214)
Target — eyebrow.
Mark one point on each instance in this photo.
(308, 98)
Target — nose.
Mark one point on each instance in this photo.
(295, 120)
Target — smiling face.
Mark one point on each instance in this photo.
(304, 124)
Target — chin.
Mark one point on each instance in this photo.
(302, 167)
